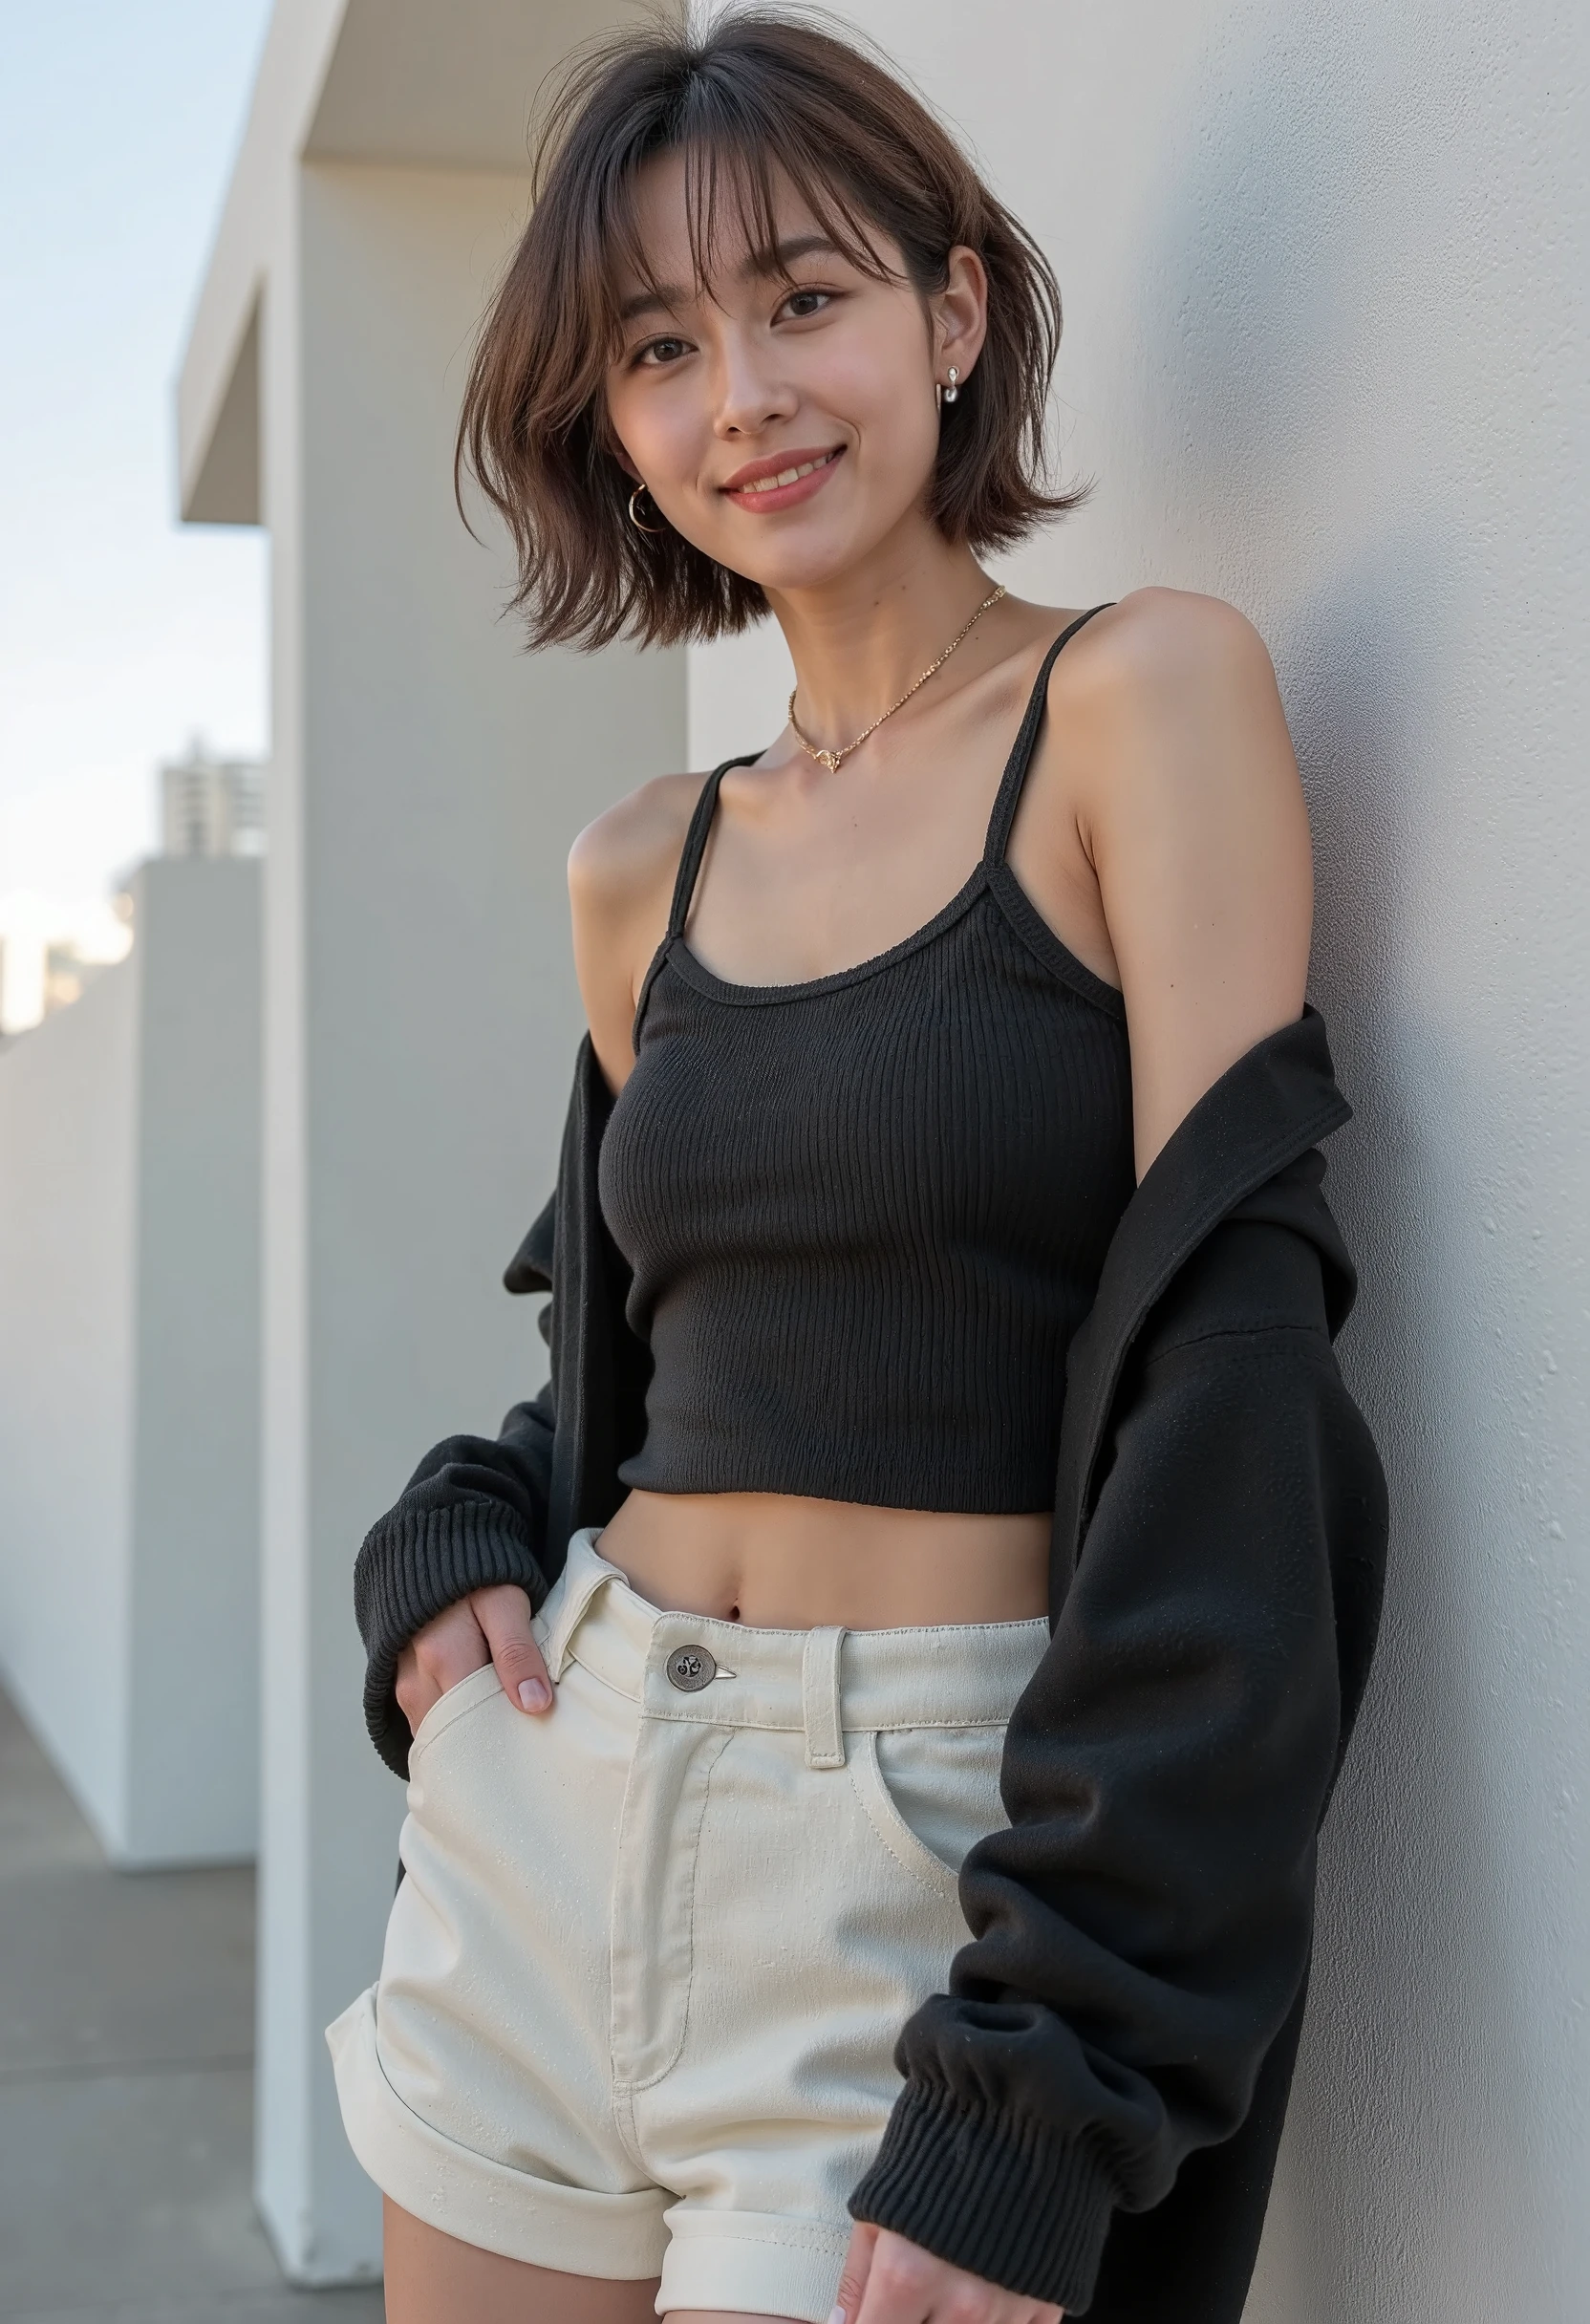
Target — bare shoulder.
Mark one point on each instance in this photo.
(621, 871)
(1161, 650)
(1171, 710)
(1185, 790)
(618, 862)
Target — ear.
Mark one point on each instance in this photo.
(959, 313)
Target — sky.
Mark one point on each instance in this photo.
(122, 634)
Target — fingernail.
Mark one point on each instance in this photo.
(837, 2317)
(534, 1694)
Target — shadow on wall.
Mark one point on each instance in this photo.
(1394, 2132)
(1273, 309)
(1280, 416)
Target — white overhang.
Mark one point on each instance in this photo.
(428, 84)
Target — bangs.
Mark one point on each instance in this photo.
(731, 198)
(744, 145)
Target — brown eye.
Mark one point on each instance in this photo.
(801, 304)
(663, 351)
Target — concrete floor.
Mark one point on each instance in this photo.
(127, 2082)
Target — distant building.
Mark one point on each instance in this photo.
(50, 950)
(51, 947)
(212, 806)
(67, 972)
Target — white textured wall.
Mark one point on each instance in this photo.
(129, 1375)
(1327, 355)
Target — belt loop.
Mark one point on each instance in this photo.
(571, 1612)
(819, 1698)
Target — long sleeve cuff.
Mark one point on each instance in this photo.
(415, 1562)
(992, 2194)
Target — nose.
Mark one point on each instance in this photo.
(750, 389)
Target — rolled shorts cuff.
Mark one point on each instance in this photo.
(759, 2262)
(474, 2199)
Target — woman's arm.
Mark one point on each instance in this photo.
(1140, 1932)
(1181, 777)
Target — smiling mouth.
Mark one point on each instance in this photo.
(785, 477)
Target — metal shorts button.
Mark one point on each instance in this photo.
(690, 1669)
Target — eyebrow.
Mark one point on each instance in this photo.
(664, 298)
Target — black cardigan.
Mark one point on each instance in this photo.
(1090, 2114)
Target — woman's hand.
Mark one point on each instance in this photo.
(887, 2280)
(491, 1625)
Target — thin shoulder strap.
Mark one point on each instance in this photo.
(684, 881)
(1009, 794)
(695, 847)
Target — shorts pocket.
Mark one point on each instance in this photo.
(456, 1704)
(929, 1793)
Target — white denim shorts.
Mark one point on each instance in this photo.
(644, 1980)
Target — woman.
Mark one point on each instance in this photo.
(913, 1497)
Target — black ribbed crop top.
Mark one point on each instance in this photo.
(865, 1215)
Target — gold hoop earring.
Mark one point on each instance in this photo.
(634, 519)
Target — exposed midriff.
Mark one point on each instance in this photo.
(785, 1561)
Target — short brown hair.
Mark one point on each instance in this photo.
(757, 96)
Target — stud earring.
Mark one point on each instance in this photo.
(951, 391)
(635, 519)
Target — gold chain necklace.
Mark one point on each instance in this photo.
(832, 758)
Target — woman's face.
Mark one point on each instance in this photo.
(717, 391)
